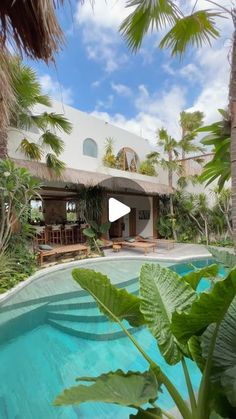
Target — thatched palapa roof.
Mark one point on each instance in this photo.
(84, 178)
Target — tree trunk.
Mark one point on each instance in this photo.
(232, 98)
(170, 180)
(3, 144)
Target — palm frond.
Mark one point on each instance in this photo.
(153, 156)
(51, 140)
(54, 120)
(148, 14)
(55, 164)
(196, 29)
(31, 150)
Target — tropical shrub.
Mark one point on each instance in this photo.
(28, 93)
(185, 325)
(109, 158)
(94, 233)
(17, 188)
(147, 168)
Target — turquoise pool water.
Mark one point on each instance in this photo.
(51, 333)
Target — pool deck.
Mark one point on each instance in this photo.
(180, 252)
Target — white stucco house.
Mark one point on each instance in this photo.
(83, 156)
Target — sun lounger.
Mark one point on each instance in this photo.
(62, 250)
(169, 242)
(145, 246)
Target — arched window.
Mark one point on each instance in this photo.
(127, 160)
(90, 148)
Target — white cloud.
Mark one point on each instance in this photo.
(100, 32)
(104, 14)
(105, 104)
(55, 90)
(153, 112)
(121, 89)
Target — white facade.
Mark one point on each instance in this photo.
(87, 126)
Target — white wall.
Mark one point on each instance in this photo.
(84, 126)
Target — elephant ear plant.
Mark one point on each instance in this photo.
(94, 233)
(185, 324)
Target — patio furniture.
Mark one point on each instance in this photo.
(169, 242)
(55, 235)
(145, 246)
(40, 235)
(62, 250)
(116, 247)
(69, 237)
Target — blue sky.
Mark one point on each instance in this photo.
(96, 73)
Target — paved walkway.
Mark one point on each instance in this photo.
(181, 251)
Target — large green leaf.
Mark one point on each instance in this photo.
(147, 15)
(89, 232)
(150, 413)
(196, 29)
(222, 256)
(163, 292)
(210, 307)
(104, 228)
(193, 278)
(116, 304)
(224, 356)
(125, 389)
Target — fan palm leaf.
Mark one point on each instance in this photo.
(31, 150)
(55, 164)
(147, 14)
(52, 141)
(193, 30)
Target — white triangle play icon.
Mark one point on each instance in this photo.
(117, 209)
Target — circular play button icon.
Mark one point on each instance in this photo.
(128, 207)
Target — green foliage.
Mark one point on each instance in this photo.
(219, 139)
(208, 308)
(162, 294)
(116, 303)
(223, 257)
(125, 389)
(28, 93)
(147, 168)
(109, 158)
(90, 203)
(193, 278)
(175, 314)
(195, 29)
(17, 188)
(7, 269)
(224, 355)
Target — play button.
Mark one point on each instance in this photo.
(117, 209)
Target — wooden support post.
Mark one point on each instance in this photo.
(155, 210)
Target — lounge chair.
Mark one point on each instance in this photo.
(136, 244)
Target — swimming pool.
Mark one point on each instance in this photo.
(51, 333)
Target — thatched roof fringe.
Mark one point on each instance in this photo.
(32, 27)
(82, 177)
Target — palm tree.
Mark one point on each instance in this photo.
(189, 122)
(109, 158)
(169, 148)
(28, 93)
(194, 29)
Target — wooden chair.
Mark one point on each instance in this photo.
(40, 237)
(56, 235)
(69, 235)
